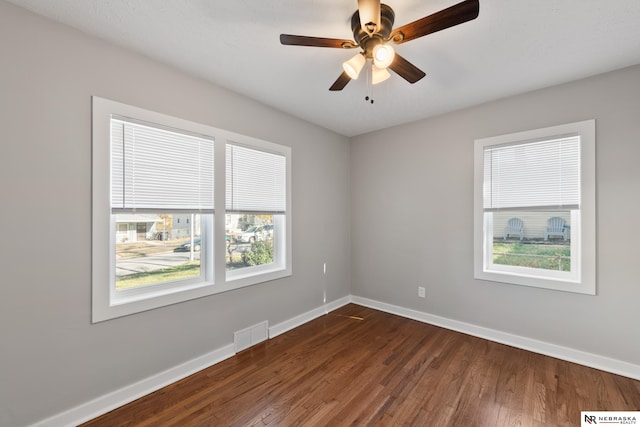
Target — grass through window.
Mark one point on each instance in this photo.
(179, 272)
(533, 255)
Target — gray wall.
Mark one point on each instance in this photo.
(51, 357)
(412, 218)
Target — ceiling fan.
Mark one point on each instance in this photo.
(372, 31)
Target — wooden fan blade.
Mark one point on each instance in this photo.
(446, 18)
(341, 82)
(289, 39)
(406, 69)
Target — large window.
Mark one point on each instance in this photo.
(535, 208)
(158, 182)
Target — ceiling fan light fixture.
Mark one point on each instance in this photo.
(353, 66)
(372, 27)
(379, 75)
(383, 55)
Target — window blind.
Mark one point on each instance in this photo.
(256, 180)
(158, 169)
(533, 175)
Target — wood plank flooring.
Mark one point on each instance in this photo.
(361, 367)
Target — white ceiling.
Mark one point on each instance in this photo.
(513, 46)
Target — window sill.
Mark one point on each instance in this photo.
(555, 283)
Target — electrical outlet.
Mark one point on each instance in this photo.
(421, 292)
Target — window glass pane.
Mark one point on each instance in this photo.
(156, 248)
(250, 240)
(531, 239)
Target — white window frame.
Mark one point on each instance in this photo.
(582, 278)
(109, 304)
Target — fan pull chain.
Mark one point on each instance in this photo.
(369, 92)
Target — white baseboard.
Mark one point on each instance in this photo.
(559, 352)
(117, 398)
(103, 404)
(303, 318)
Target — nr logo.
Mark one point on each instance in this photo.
(590, 419)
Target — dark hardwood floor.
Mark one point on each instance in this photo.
(358, 366)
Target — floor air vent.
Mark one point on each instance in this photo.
(250, 336)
